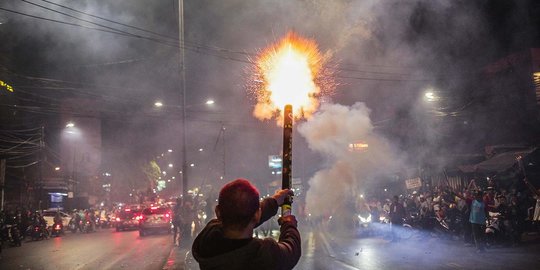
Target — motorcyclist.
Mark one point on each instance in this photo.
(77, 219)
(38, 220)
(58, 220)
(93, 219)
(89, 217)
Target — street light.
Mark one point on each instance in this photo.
(57, 168)
(210, 102)
(158, 104)
(429, 96)
(170, 165)
(70, 125)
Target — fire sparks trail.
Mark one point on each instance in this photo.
(290, 72)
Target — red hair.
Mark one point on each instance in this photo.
(238, 202)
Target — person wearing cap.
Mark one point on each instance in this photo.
(478, 220)
(227, 242)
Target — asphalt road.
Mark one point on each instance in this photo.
(322, 250)
(107, 249)
(103, 249)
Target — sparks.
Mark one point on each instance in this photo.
(289, 72)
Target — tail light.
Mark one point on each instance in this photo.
(117, 219)
(57, 227)
(167, 215)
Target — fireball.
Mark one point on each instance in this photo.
(290, 71)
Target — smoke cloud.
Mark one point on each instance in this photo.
(332, 132)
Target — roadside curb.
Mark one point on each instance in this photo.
(176, 259)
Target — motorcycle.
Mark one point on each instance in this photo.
(73, 226)
(12, 234)
(362, 224)
(57, 229)
(38, 233)
(88, 227)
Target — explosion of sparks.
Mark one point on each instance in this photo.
(290, 72)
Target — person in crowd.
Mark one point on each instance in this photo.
(58, 219)
(536, 195)
(77, 219)
(489, 199)
(227, 242)
(177, 221)
(516, 221)
(188, 215)
(467, 200)
(478, 220)
(397, 214)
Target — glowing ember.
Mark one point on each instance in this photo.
(289, 72)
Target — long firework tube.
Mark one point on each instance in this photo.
(286, 173)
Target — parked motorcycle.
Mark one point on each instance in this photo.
(11, 234)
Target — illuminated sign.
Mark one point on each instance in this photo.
(7, 86)
(274, 162)
(358, 146)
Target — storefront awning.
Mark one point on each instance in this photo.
(498, 163)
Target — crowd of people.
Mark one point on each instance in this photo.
(481, 216)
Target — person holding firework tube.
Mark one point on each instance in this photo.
(227, 242)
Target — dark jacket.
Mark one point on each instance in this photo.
(213, 251)
(397, 213)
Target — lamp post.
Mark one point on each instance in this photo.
(183, 88)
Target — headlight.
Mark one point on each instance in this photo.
(365, 220)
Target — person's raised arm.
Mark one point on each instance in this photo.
(269, 206)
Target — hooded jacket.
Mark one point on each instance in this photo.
(213, 251)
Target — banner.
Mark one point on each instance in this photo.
(413, 183)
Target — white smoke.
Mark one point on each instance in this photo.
(330, 133)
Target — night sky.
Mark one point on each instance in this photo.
(124, 55)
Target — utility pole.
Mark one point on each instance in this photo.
(2, 180)
(41, 161)
(224, 152)
(183, 88)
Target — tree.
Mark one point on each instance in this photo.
(152, 172)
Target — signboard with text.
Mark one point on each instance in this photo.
(413, 183)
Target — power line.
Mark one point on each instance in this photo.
(194, 48)
(111, 21)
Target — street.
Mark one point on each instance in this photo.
(323, 251)
(107, 249)
(103, 249)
